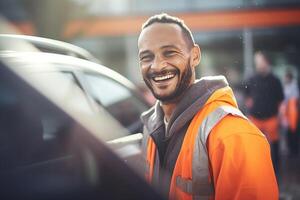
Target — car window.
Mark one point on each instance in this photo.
(23, 119)
(51, 122)
(117, 99)
(39, 132)
(70, 92)
(65, 91)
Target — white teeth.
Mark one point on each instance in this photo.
(162, 78)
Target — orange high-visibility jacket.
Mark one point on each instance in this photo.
(292, 113)
(223, 156)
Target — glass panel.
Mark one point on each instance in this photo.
(117, 99)
(50, 121)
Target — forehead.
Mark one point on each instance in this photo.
(158, 35)
(260, 57)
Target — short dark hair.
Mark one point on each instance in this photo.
(168, 19)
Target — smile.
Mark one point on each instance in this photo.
(168, 76)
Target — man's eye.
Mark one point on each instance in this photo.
(145, 58)
(169, 53)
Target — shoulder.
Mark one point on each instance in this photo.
(275, 78)
(234, 129)
(253, 78)
(251, 81)
(152, 118)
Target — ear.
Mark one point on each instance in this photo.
(195, 55)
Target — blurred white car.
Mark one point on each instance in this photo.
(100, 84)
(53, 132)
(25, 43)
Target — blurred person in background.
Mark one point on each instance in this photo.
(197, 143)
(264, 95)
(290, 112)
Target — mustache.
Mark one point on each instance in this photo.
(152, 74)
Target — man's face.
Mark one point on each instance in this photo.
(165, 60)
(261, 64)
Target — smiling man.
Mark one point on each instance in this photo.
(197, 144)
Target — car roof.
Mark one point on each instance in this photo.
(62, 62)
(47, 45)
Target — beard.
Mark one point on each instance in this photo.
(182, 85)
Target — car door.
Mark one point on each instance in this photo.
(48, 151)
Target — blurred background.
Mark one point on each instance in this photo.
(228, 32)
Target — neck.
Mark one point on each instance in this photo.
(168, 109)
(264, 74)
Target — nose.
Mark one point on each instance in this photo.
(158, 64)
